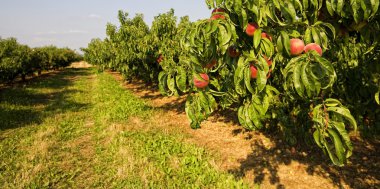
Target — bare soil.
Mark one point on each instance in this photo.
(81, 64)
(262, 158)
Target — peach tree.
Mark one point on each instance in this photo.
(172, 56)
(21, 60)
(307, 69)
(276, 63)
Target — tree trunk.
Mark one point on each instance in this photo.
(23, 77)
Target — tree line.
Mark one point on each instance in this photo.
(18, 60)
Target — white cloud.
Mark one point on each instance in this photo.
(76, 32)
(71, 31)
(47, 33)
(94, 16)
(44, 40)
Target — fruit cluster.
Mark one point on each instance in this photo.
(297, 46)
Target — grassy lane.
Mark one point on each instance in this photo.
(78, 129)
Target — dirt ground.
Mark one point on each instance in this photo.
(263, 158)
(81, 64)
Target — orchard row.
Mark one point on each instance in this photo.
(302, 69)
(20, 60)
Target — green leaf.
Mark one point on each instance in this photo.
(241, 116)
(329, 7)
(305, 4)
(238, 5)
(315, 33)
(279, 45)
(324, 40)
(248, 120)
(203, 101)
(191, 112)
(294, 34)
(217, 93)
(355, 10)
(366, 9)
(181, 78)
(374, 7)
(339, 126)
(219, 3)
(328, 67)
(210, 3)
(276, 3)
(288, 11)
(212, 27)
(243, 18)
(259, 107)
(266, 47)
(212, 102)
(328, 25)
(254, 116)
(288, 70)
(345, 113)
(286, 42)
(317, 138)
(308, 36)
(330, 102)
(224, 37)
(339, 149)
(171, 85)
(247, 80)
(257, 38)
(261, 79)
(339, 7)
(309, 85)
(298, 5)
(162, 78)
(299, 87)
(239, 77)
(317, 115)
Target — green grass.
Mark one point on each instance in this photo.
(79, 129)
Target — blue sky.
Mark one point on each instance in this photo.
(73, 23)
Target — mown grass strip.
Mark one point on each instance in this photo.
(41, 123)
(89, 132)
(145, 157)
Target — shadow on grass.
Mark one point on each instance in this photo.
(363, 170)
(32, 102)
(150, 91)
(177, 105)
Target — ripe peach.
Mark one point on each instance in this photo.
(265, 35)
(313, 46)
(296, 46)
(201, 83)
(251, 28)
(253, 71)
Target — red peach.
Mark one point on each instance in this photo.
(251, 28)
(296, 46)
(313, 46)
(201, 83)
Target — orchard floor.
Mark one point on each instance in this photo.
(79, 129)
(259, 158)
